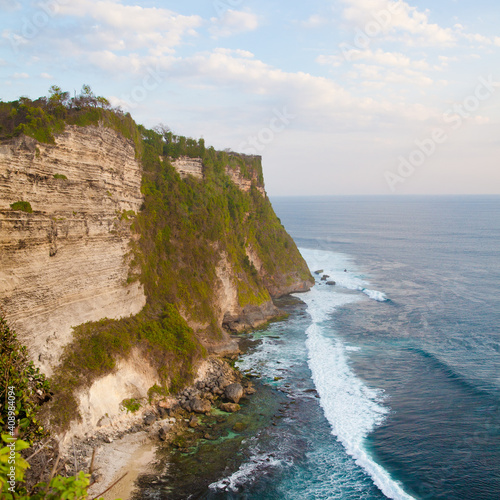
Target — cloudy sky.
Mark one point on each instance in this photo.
(338, 96)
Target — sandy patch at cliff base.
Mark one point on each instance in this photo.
(134, 453)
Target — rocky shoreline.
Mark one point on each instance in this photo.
(123, 452)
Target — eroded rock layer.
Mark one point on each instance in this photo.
(68, 261)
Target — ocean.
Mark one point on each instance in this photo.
(385, 384)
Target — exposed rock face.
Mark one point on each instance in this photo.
(278, 285)
(194, 166)
(66, 263)
(188, 166)
(132, 379)
(232, 316)
(243, 183)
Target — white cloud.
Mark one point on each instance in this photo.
(233, 22)
(46, 76)
(396, 59)
(119, 27)
(308, 94)
(314, 21)
(20, 76)
(383, 17)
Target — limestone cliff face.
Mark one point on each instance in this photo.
(188, 166)
(194, 166)
(244, 183)
(67, 262)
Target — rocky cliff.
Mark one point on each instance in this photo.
(120, 266)
(67, 262)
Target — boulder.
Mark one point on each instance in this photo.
(186, 404)
(163, 412)
(319, 271)
(193, 422)
(168, 403)
(331, 283)
(164, 431)
(233, 392)
(324, 277)
(200, 405)
(230, 407)
(149, 419)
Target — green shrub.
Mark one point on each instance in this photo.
(29, 386)
(23, 206)
(131, 405)
(60, 176)
(58, 487)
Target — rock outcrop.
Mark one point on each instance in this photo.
(188, 166)
(242, 182)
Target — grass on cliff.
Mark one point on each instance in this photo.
(183, 227)
(29, 387)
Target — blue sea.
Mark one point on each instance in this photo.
(386, 384)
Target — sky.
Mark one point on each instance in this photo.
(340, 97)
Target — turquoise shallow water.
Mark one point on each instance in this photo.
(386, 385)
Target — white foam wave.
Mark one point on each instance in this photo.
(352, 348)
(352, 408)
(339, 268)
(375, 295)
(254, 467)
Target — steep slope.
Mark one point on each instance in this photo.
(66, 263)
(127, 255)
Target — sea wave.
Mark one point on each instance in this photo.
(351, 407)
(257, 465)
(340, 269)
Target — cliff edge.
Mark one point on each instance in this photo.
(128, 255)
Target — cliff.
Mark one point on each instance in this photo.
(126, 257)
(67, 262)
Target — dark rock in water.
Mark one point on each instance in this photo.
(209, 437)
(200, 405)
(324, 277)
(318, 272)
(194, 422)
(250, 390)
(239, 427)
(230, 407)
(331, 283)
(234, 392)
(164, 431)
(149, 419)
